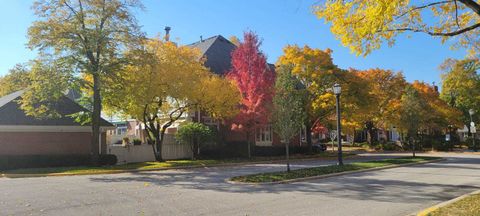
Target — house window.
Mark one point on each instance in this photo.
(264, 136)
(121, 129)
(210, 121)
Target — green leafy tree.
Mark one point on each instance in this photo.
(42, 95)
(89, 34)
(411, 112)
(17, 78)
(461, 86)
(289, 107)
(195, 134)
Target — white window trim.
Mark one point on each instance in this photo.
(267, 136)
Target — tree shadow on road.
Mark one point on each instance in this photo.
(386, 186)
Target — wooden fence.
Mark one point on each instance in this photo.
(171, 150)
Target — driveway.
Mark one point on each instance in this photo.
(203, 191)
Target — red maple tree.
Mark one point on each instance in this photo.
(254, 79)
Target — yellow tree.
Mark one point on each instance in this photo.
(164, 84)
(316, 71)
(384, 86)
(364, 25)
(357, 102)
(440, 113)
(428, 113)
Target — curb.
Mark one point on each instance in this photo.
(335, 174)
(429, 210)
(13, 175)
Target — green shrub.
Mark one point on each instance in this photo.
(108, 160)
(442, 145)
(137, 141)
(469, 142)
(391, 146)
(195, 134)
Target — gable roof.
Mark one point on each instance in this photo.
(218, 51)
(12, 114)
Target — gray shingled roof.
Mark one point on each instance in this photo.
(218, 52)
(12, 114)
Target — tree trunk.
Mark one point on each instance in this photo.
(287, 152)
(158, 150)
(308, 137)
(369, 127)
(156, 141)
(196, 148)
(249, 153)
(353, 140)
(192, 148)
(413, 147)
(158, 144)
(333, 144)
(97, 107)
(370, 136)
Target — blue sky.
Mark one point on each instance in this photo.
(278, 23)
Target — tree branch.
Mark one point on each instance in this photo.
(422, 7)
(472, 5)
(447, 34)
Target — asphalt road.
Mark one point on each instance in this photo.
(203, 191)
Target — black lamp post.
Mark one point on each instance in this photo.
(337, 90)
(472, 128)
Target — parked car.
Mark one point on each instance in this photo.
(319, 147)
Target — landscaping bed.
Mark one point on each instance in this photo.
(325, 170)
(86, 170)
(469, 206)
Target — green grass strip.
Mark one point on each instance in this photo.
(469, 206)
(324, 170)
(84, 170)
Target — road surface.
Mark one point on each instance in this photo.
(203, 191)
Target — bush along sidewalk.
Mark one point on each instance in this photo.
(326, 170)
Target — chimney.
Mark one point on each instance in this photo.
(435, 87)
(167, 33)
(201, 38)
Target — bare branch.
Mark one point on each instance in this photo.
(423, 6)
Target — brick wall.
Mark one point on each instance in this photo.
(45, 143)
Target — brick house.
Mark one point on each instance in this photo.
(22, 135)
(217, 51)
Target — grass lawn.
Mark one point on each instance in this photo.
(318, 171)
(469, 206)
(156, 165)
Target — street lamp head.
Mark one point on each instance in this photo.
(337, 89)
(471, 111)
